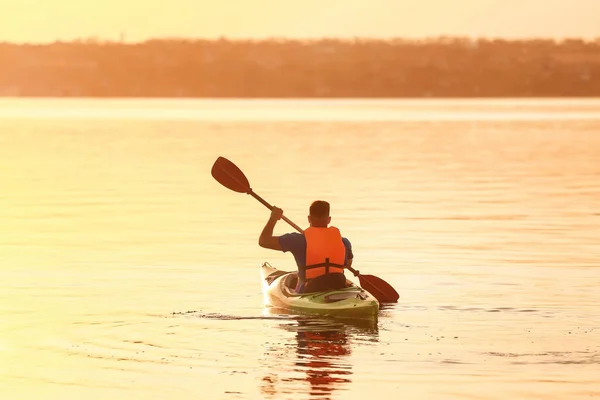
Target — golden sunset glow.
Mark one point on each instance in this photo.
(134, 20)
(159, 159)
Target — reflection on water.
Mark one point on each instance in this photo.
(320, 359)
(310, 354)
(320, 355)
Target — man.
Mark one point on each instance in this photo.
(320, 252)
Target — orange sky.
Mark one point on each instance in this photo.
(47, 20)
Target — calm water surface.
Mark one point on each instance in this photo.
(128, 272)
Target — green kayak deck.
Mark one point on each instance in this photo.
(349, 302)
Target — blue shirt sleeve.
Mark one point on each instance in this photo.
(349, 254)
(296, 244)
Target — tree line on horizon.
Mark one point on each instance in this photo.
(440, 67)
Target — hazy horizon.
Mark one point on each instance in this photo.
(26, 21)
(97, 40)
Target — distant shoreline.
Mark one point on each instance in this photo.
(313, 68)
(233, 98)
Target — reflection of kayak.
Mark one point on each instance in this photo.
(352, 301)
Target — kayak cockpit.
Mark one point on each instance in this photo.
(288, 284)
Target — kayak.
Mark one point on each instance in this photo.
(350, 302)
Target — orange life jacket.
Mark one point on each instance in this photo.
(325, 251)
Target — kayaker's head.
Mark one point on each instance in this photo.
(318, 215)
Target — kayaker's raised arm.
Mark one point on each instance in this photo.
(266, 239)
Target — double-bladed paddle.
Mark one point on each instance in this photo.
(230, 176)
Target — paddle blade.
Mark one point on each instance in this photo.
(379, 288)
(230, 176)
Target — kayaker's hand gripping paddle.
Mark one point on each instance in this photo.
(230, 176)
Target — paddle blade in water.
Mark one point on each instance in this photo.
(379, 288)
(230, 176)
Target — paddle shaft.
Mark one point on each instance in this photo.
(270, 207)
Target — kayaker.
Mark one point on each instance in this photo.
(320, 252)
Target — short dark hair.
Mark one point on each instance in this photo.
(319, 209)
